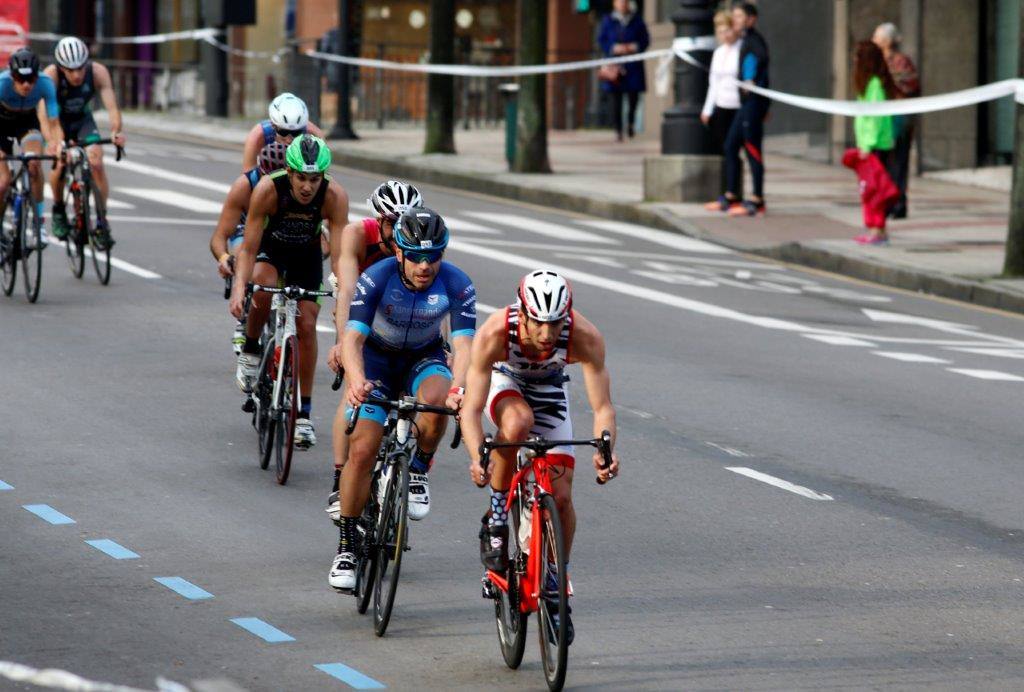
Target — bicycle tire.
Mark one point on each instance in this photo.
(288, 409)
(100, 258)
(263, 392)
(510, 620)
(9, 243)
(391, 539)
(366, 567)
(74, 243)
(554, 657)
(31, 261)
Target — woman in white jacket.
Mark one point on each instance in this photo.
(723, 100)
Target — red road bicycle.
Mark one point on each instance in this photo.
(535, 541)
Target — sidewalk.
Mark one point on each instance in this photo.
(951, 244)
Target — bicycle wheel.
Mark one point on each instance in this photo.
(366, 568)
(391, 539)
(31, 260)
(10, 242)
(263, 392)
(511, 621)
(554, 645)
(100, 258)
(288, 408)
(74, 243)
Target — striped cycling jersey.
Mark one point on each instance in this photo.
(519, 366)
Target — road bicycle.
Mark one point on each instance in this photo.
(85, 204)
(535, 542)
(21, 231)
(276, 393)
(384, 521)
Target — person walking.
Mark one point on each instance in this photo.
(723, 99)
(908, 85)
(623, 32)
(747, 130)
(874, 133)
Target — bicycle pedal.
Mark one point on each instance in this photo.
(248, 405)
(488, 590)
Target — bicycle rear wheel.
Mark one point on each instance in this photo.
(289, 407)
(74, 243)
(100, 258)
(554, 644)
(31, 260)
(263, 393)
(10, 243)
(391, 539)
(511, 621)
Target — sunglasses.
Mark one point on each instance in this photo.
(24, 79)
(419, 256)
(288, 133)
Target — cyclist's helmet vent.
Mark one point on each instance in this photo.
(419, 228)
(288, 112)
(23, 64)
(271, 157)
(390, 199)
(545, 296)
(71, 52)
(308, 154)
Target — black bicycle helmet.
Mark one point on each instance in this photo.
(419, 228)
(23, 64)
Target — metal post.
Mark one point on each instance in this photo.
(379, 76)
(343, 127)
(681, 130)
(215, 81)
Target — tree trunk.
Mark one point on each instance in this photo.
(532, 122)
(1014, 263)
(441, 88)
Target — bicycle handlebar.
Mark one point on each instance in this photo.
(120, 149)
(404, 404)
(291, 292)
(602, 444)
(229, 279)
(338, 377)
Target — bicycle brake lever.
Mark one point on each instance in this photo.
(353, 419)
(457, 437)
(338, 377)
(605, 447)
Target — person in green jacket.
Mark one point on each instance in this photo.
(873, 133)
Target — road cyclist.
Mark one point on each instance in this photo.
(282, 241)
(287, 118)
(392, 346)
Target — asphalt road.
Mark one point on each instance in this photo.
(821, 479)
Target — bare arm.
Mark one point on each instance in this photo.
(235, 205)
(346, 249)
(312, 129)
(105, 87)
(488, 348)
(352, 359)
(253, 144)
(262, 204)
(589, 349)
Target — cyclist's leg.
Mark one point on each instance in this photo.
(429, 381)
(99, 175)
(552, 419)
(266, 274)
(32, 143)
(5, 170)
(513, 417)
(305, 327)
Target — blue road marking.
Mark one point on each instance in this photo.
(350, 676)
(48, 513)
(267, 633)
(6, 486)
(183, 588)
(113, 549)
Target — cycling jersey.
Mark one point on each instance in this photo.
(396, 318)
(519, 366)
(374, 252)
(270, 134)
(75, 106)
(18, 113)
(291, 236)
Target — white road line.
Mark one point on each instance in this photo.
(593, 259)
(111, 203)
(731, 451)
(555, 230)
(128, 267)
(997, 352)
(987, 374)
(173, 198)
(838, 340)
(163, 220)
(484, 307)
(456, 224)
(654, 235)
(911, 357)
(779, 483)
(157, 172)
(324, 329)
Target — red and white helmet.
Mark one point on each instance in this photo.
(545, 296)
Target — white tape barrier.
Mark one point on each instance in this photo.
(274, 56)
(63, 680)
(190, 35)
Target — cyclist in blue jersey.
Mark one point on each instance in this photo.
(392, 344)
(28, 104)
(288, 118)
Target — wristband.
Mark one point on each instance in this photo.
(223, 257)
(461, 391)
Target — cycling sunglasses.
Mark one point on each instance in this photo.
(420, 256)
(288, 133)
(24, 78)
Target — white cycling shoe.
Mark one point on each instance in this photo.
(343, 572)
(305, 436)
(248, 369)
(419, 496)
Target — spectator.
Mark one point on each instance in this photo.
(623, 32)
(747, 130)
(904, 75)
(872, 82)
(723, 99)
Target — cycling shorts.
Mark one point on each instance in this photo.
(80, 129)
(301, 266)
(549, 401)
(399, 372)
(235, 239)
(18, 127)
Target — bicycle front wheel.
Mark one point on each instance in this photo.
(263, 393)
(288, 408)
(10, 244)
(391, 540)
(554, 638)
(74, 243)
(31, 260)
(511, 621)
(100, 258)
(366, 568)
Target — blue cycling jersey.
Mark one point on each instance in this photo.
(270, 134)
(13, 105)
(400, 319)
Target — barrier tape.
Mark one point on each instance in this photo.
(191, 34)
(274, 56)
(63, 680)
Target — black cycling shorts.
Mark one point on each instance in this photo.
(297, 265)
(80, 128)
(17, 127)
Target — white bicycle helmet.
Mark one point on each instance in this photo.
(545, 296)
(393, 197)
(288, 112)
(71, 52)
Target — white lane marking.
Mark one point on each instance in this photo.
(899, 318)
(484, 307)
(454, 223)
(987, 374)
(997, 352)
(128, 267)
(731, 451)
(838, 340)
(158, 220)
(57, 679)
(683, 259)
(779, 483)
(111, 203)
(654, 235)
(555, 230)
(182, 200)
(324, 329)
(594, 259)
(157, 172)
(911, 357)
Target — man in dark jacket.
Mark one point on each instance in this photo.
(623, 32)
(747, 131)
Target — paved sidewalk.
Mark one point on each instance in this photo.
(951, 244)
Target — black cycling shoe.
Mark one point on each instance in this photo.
(493, 540)
(101, 234)
(570, 632)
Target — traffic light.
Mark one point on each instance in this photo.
(582, 6)
(597, 6)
